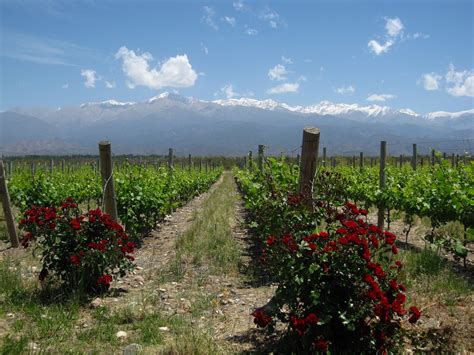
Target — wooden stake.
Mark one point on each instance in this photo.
(414, 158)
(170, 158)
(7, 209)
(106, 171)
(383, 156)
(361, 160)
(309, 157)
(261, 149)
(324, 156)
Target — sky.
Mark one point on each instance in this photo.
(416, 54)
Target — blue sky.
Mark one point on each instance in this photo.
(404, 54)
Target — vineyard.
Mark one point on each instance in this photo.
(265, 254)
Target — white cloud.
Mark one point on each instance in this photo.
(208, 17)
(251, 31)
(418, 35)
(271, 17)
(378, 48)
(460, 83)
(228, 91)
(110, 84)
(43, 50)
(204, 48)
(394, 31)
(380, 97)
(230, 20)
(91, 77)
(284, 88)
(174, 72)
(278, 72)
(431, 81)
(286, 60)
(65, 86)
(394, 26)
(344, 90)
(239, 5)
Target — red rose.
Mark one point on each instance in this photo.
(415, 314)
(321, 345)
(75, 224)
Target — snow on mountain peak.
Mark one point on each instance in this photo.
(108, 104)
(447, 115)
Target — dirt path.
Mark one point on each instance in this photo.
(218, 304)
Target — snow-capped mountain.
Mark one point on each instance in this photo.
(226, 126)
(107, 104)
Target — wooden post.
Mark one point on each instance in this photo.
(7, 209)
(324, 156)
(453, 161)
(353, 162)
(401, 161)
(261, 149)
(106, 170)
(51, 166)
(10, 168)
(414, 158)
(309, 158)
(361, 160)
(371, 162)
(170, 158)
(383, 156)
(190, 162)
(33, 169)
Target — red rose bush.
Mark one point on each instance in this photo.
(83, 251)
(338, 289)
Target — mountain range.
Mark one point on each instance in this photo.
(228, 127)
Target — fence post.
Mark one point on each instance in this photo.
(383, 156)
(190, 162)
(309, 157)
(261, 149)
(453, 161)
(324, 156)
(170, 158)
(414, 158)
(361, 160)
(7, 209)
(10, 168)
(107, 173)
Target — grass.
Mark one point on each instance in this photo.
(28, 318)
(209, 240)
(431, 277)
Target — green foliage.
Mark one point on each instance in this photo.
(144, 195)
